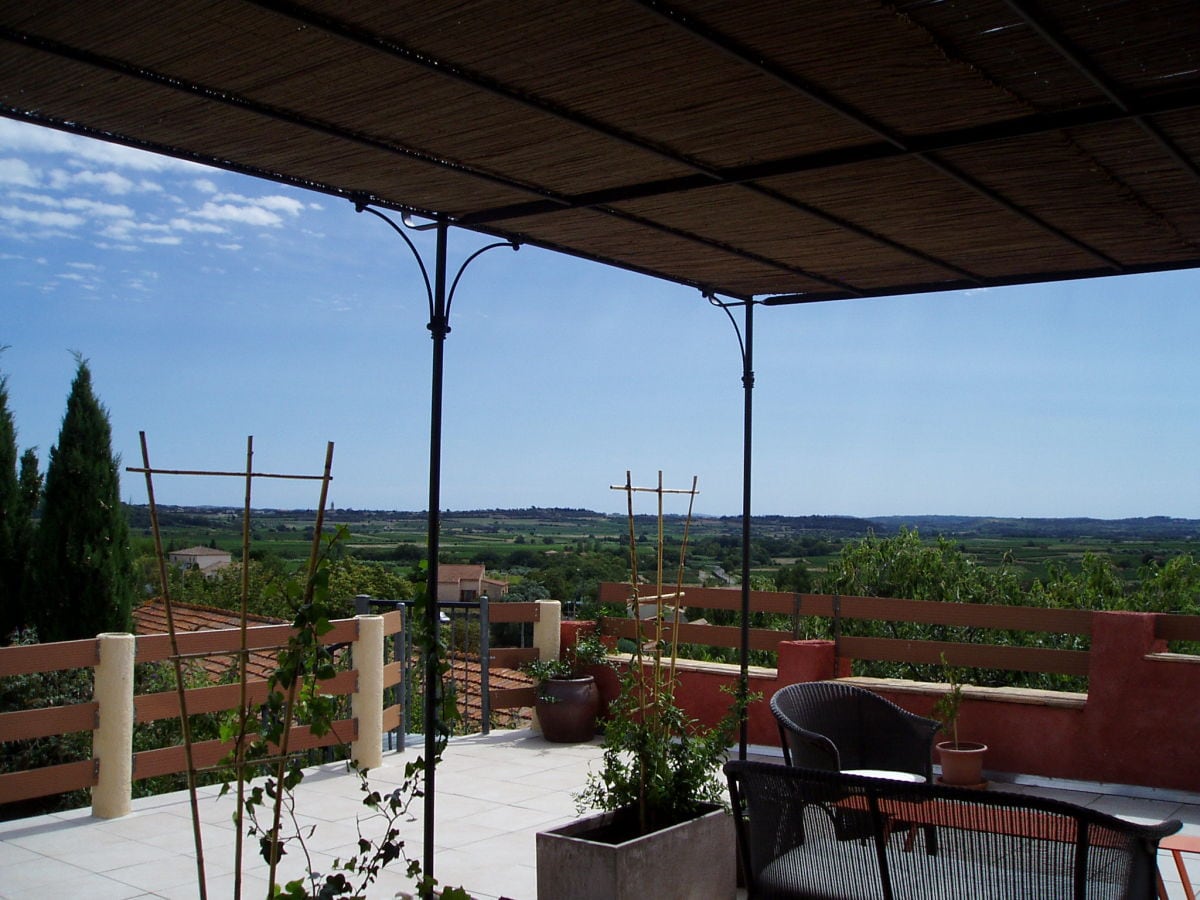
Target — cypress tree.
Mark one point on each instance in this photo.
(29, 488)
(82, 564)
(12, 565)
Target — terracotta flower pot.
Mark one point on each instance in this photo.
(962, 763)
(566, 709)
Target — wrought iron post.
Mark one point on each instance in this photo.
(747, 349)
(440, 300)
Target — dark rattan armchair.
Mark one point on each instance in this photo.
(834, 726)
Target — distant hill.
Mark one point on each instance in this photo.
(843, 527)
(1149, 528)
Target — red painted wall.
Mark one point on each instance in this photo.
(1140, 724)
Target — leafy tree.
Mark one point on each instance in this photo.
(795, 577)
(82, 565)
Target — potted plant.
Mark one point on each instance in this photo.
(962, 761)
(567, 697)
(661, 800)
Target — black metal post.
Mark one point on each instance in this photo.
(440, 300)
(439, 327)
(746, 344)
(747, 432)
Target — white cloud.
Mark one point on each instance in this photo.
(205, 186)
(273, 202)
(246, 215)
(200, 227)
(95, 208)
(288, 205)
(47, 219)
(233, 247)
(170, 240)
(79, 265)
(111, 182)
(17, 172)
(24, 137)
(39, 199)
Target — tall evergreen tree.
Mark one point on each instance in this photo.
(12, 564)
(29, 488)
(82, 564)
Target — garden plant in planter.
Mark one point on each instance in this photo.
(567, 696)
(658, 787)
(962, 761)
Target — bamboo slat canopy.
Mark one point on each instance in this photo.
(814, 150)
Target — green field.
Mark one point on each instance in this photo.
(523, 538)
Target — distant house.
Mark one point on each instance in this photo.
(468, 583)
(206, 559)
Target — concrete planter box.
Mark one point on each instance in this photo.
(695, 860)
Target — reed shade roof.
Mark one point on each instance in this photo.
(818, 150)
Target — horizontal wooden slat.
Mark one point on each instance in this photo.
(512, 698)
(511, 657)
(930, 612)
(393, 622)
(393, 674)
(709, 635)
(23, 659)
(165, 704)
(971, 615)
(169, 760)
(55, 720)
(980, 656)
(47, 781)
(391, 718)
(152, 647)
(514, 612)
(1174, 627)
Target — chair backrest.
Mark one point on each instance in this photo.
(809, 833)
(833, 726)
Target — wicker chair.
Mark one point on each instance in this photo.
(833, 726)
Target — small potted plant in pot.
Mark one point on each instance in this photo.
(567, 697)
(962, 761)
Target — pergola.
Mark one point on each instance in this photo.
(767, 153)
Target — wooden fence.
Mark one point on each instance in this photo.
(86, 717)
(840, 610)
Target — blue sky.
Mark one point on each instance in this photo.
(212, 306)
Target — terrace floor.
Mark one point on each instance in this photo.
(494, 793)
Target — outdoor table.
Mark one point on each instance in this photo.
(889, 774)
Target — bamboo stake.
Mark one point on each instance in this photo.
(289, 705)
(687, 527)
(243, 660)
(184, 723)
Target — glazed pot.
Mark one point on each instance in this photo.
(566, 709)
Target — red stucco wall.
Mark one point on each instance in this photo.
(1140, 724)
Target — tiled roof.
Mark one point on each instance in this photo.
(151, 618)
(465, 671)
(199, 551)
(459, 573)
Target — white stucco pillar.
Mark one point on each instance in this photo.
(366, 704)
(112, 741)
(546, 630)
